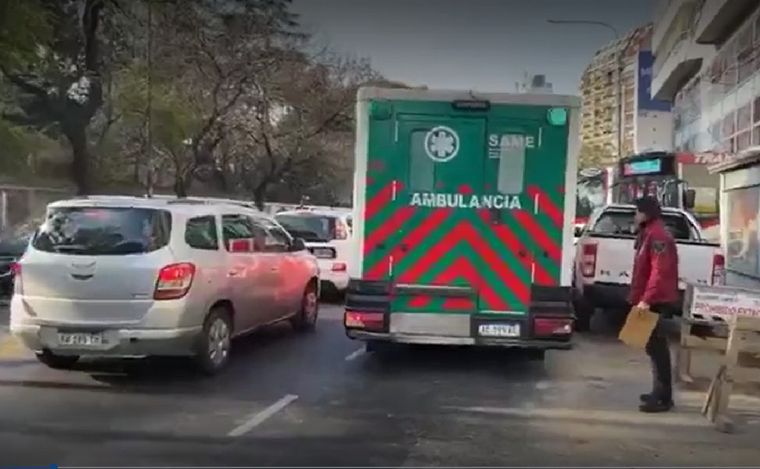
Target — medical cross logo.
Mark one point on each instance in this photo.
(441, 144)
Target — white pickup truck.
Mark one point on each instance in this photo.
(604, 259)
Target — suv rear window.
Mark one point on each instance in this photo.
(103, 230)
(308, 227)
(621, 223)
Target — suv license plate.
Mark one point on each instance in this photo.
(499, 330)
(80, 339)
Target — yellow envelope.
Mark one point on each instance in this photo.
(638, 327)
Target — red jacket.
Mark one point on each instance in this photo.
(655, 266)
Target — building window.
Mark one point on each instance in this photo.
(744, 54)
(743, 140)
(742, 252)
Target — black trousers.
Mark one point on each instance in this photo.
(659, 353)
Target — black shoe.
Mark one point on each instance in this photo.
(656, 407)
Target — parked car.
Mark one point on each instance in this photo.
(327, 234)
(123, 276)
(13, 243)
(604, 259)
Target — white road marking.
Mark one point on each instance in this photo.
(257, 419)
(356, 354)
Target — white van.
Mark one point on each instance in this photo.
(125, 276)
(327, 234)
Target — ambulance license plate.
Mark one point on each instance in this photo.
(499, 330)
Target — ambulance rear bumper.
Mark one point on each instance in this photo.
(399, 338)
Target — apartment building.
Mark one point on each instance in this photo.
(708, 64)
(599, 93)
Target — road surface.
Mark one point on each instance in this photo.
(318, 399)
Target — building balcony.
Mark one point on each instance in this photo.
(671, 72)
(719, 19)
(665, 14)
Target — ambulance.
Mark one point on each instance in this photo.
(462, 220)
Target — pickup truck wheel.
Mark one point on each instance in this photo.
(58, 362)
(583, 313)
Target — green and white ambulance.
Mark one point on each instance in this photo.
(462, 220)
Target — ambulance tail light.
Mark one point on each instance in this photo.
(719, 269)
(588, 260)
(369, 321)
(552, 327)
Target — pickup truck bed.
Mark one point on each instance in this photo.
(604, 261)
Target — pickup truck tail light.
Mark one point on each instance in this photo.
(370, 321)
(719, 269)
(588, 260)
(174, 281)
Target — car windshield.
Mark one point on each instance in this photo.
(621, 223)
(309, 227)
(103, 231)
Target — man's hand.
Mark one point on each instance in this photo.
(643, 305)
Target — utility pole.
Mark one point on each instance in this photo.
(149, 104)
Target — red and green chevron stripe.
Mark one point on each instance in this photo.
(446, 246)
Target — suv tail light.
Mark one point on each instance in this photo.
(719, 269)
(174, 281)
(588, 260)
(339, 267)
(364, 320)
(548, 327)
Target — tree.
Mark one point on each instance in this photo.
(220, 48)
(61, 85)
(294, 126)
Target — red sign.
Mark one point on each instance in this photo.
(708, 158)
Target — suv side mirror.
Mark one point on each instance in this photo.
(578, 231)
(298, 245)
(689, 199)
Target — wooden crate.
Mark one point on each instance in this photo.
(743, 341)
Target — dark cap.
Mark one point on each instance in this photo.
(649, 206)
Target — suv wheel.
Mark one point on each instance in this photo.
(60, 362)
(216, 342)
(306, 319)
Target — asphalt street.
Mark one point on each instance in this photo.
(318, 399)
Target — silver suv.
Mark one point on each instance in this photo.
(124, 276)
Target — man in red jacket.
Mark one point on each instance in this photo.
(654, 286)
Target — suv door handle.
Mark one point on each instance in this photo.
(233, 273)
